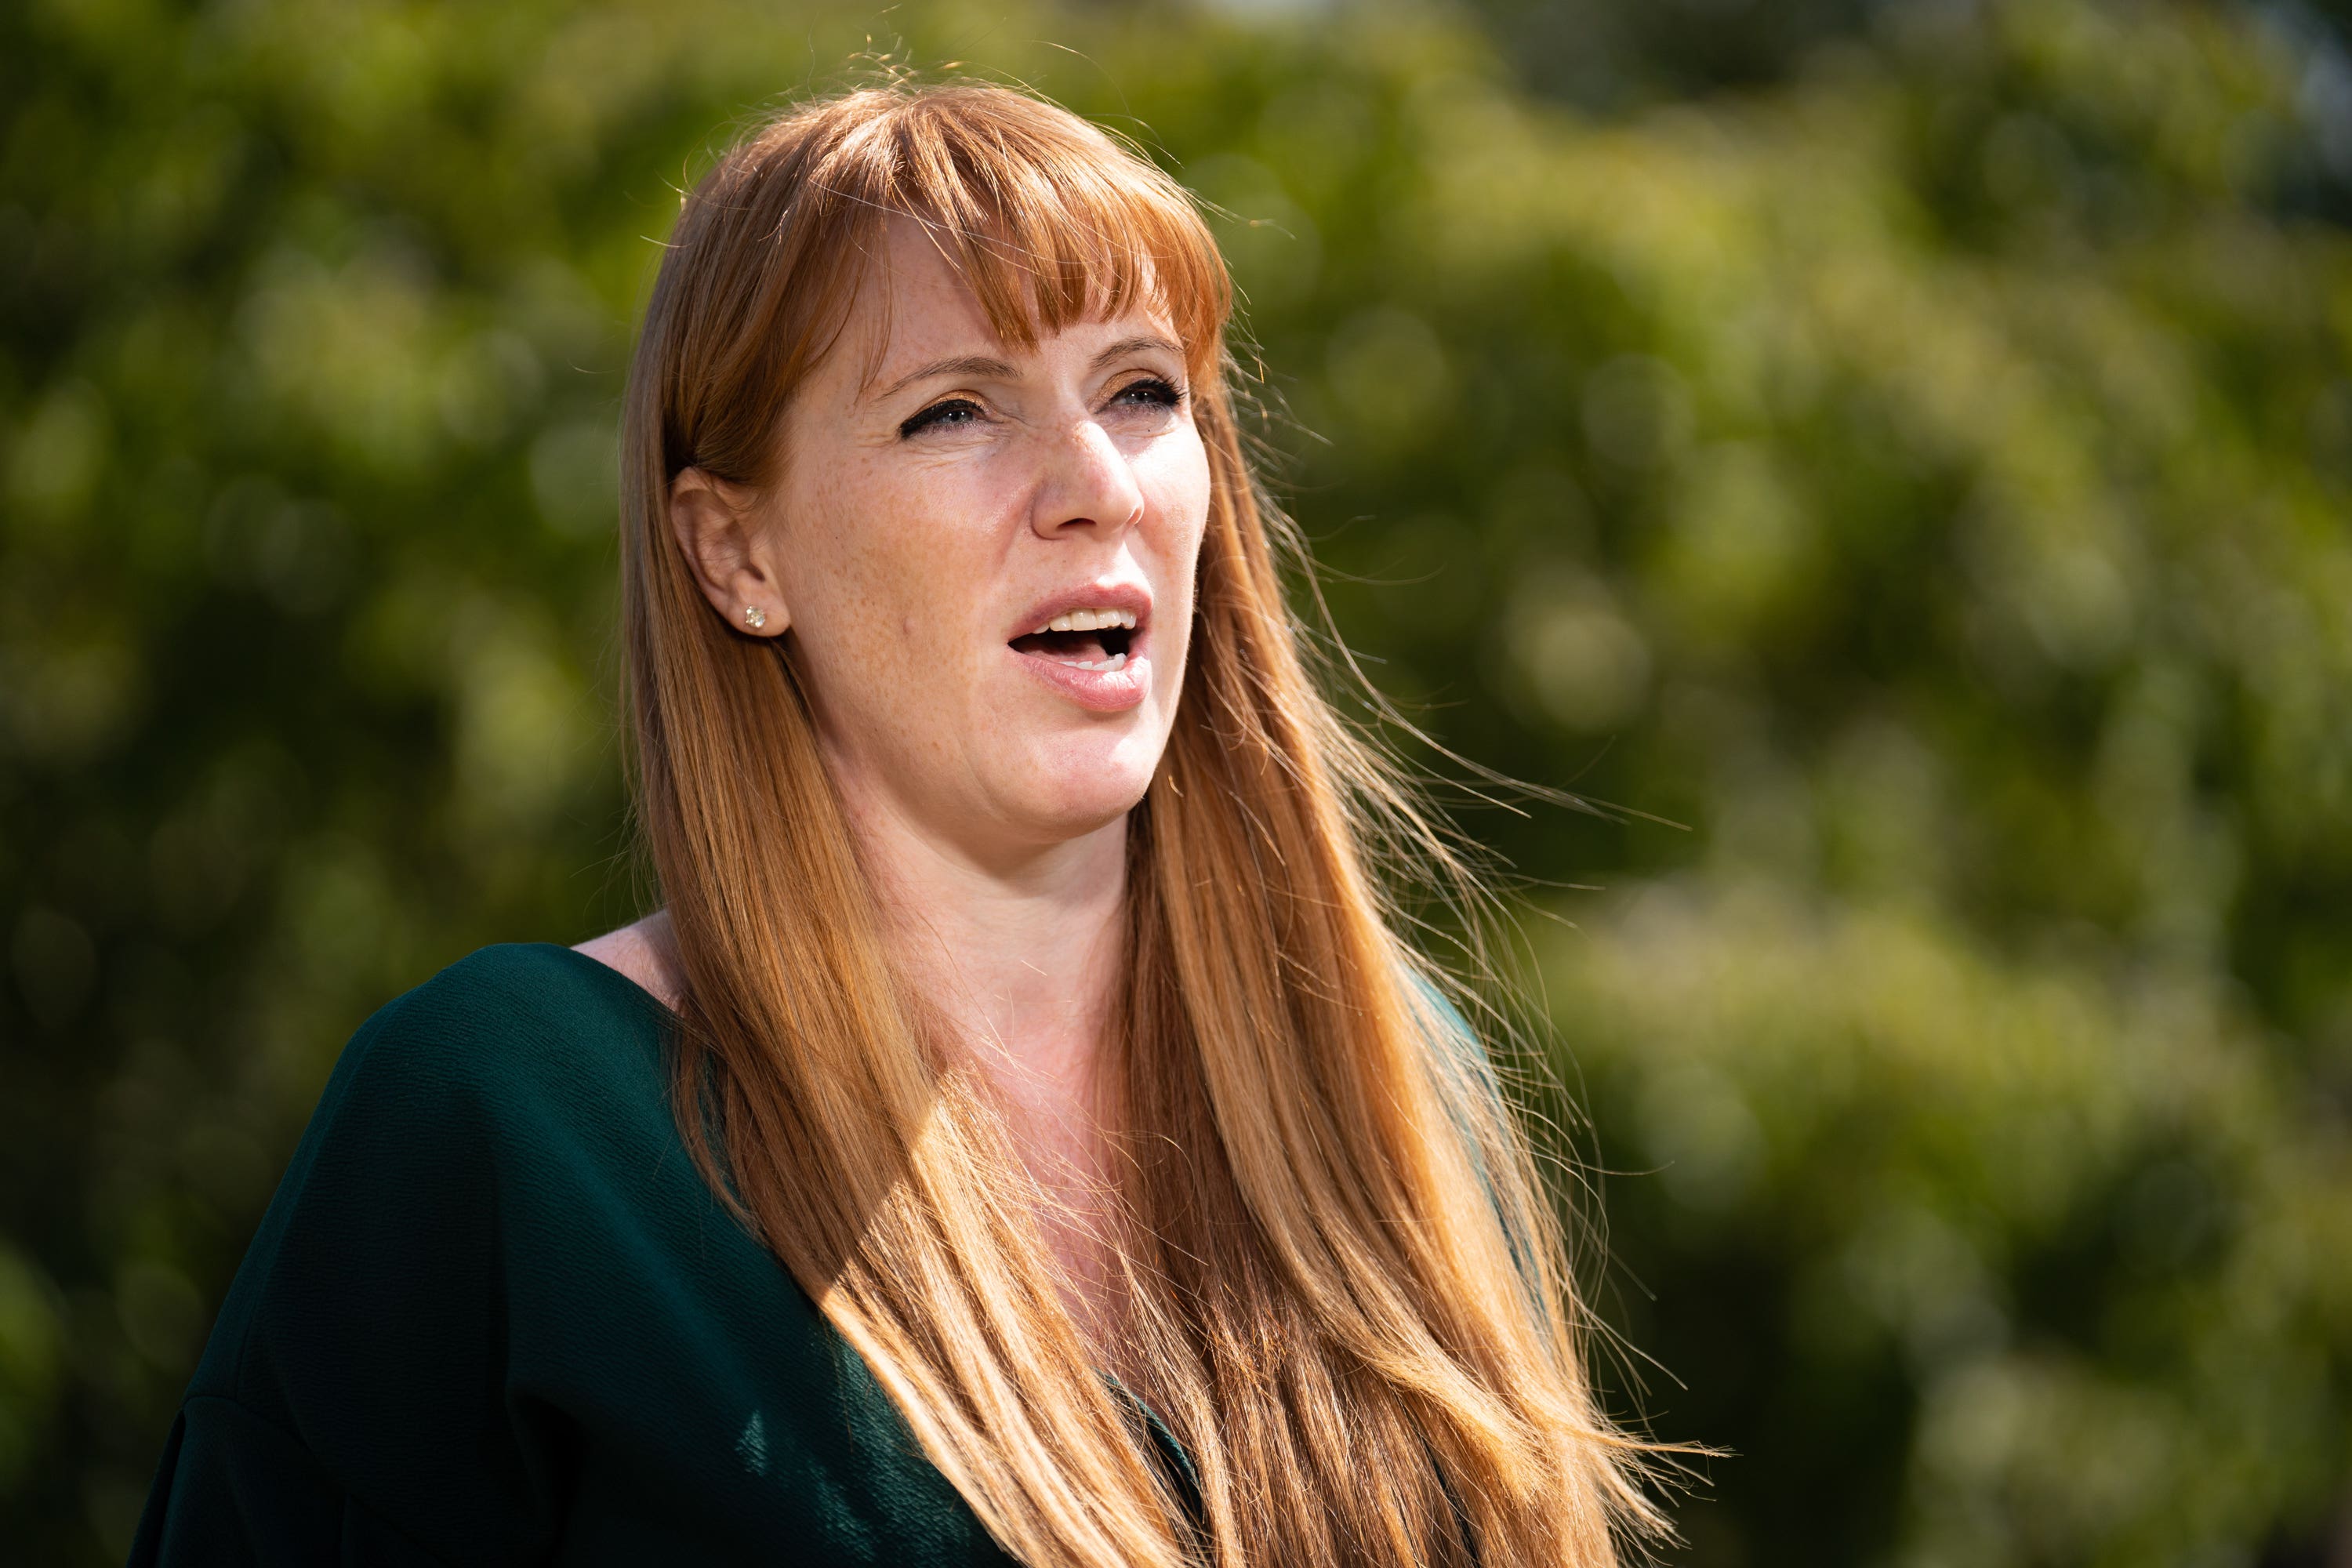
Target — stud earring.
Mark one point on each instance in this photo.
(754, 617)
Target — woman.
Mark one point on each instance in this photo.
(1023, 1130)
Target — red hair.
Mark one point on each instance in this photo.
(1351, 1299)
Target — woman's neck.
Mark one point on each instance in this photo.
(1020, 959)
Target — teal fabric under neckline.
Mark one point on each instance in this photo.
(494, 1313)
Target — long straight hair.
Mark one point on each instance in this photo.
(1350, 1300)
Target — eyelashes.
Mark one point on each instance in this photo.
(1157, 392)
(1162, 392)
(937, 414)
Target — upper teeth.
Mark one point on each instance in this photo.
(1089, 621)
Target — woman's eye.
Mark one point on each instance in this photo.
(953, 412)
(1152, 392)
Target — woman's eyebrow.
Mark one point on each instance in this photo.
(1132, 345)
(963, 364)
(983, 365)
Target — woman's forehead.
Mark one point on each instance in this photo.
(916, 304)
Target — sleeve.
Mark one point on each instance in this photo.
(234, 1489)
(351, 1404)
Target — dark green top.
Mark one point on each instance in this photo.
(495, 1314)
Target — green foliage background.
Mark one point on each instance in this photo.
(1908, 445)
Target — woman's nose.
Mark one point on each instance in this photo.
(1088, 484)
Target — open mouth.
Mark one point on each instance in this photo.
(1083, 639)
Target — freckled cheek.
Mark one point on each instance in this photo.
(1178, 515)
(951, 555)
(906, 564)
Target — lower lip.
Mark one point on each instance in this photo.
(1097, 691)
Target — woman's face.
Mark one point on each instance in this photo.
(985, 557)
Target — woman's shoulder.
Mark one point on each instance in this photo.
(506, 1035)
(488, 1110)
(493, 1148)
(645, 952)
(534, 985)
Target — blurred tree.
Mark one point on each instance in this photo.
(1933, 477)
(1924, 472)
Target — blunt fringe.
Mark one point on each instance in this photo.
(1352, 1301)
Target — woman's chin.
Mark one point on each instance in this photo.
(1077, 789)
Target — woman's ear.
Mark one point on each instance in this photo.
(719, 528)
